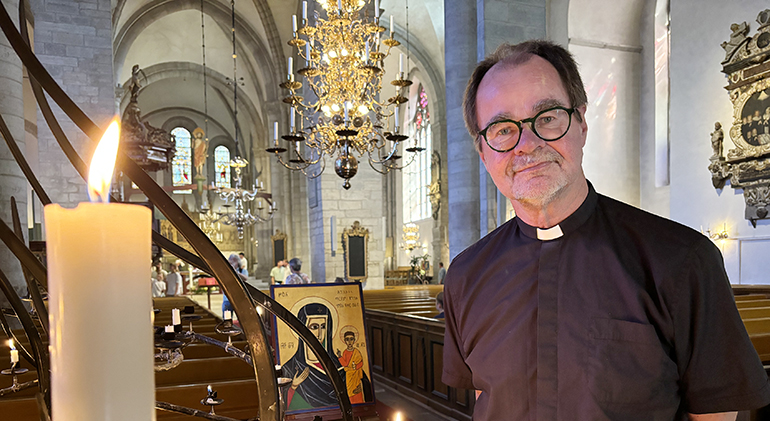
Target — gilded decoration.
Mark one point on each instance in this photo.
(434, 190)
(228, 241)
(280, 248)
(747, 166)
(355, 245)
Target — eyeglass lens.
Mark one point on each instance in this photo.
(548, 125)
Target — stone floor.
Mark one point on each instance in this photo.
(389, 401)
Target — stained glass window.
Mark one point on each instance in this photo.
(417, 176)
(182, 164)
(222, 166)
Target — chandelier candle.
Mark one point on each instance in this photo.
(101, 342)
(14, 352)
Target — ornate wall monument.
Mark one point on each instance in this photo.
(747, 65)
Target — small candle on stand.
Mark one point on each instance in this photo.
(307, 54)
(391, 26)
(14, 352)
(401, 63)
(366, 56)
(91, 378)
(304, 10)
(339, 5)
(227, 315)
(176, 318)
(345, 105)
(376, 9)
(294, 24)
(396, 119)
(290, 71)
(292, 120)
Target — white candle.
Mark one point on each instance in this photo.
(391, 26)
(169, 329)
(307, 54)
(401, 63)
(176, 318)
(261, 185)
(396, 115)
(291, 67)
(292, 119)
(345, 106)
(376, 8)
(294, 24)
(228, 315)
(339, 5)
(366, 57)
(304, 10)
(91, 378)
(275, 131)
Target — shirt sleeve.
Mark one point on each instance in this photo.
(719, 369)
(456, 372)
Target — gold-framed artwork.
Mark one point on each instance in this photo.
(280, 249)
(335, 314)
(355, 245)
(747, 166)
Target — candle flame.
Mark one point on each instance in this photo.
(11, 344)
(398, 416)
(103, 164)
(209, 389)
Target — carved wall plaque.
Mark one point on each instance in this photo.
(747, 166)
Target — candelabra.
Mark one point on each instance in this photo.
(344, 65)
(243, 217)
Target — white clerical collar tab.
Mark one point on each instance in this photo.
(549, 234)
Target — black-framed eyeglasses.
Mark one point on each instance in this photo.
(549, 125)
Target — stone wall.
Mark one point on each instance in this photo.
(73, 40)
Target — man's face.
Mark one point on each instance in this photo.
(535, 172)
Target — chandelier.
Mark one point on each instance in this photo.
(411, 237)
(238, 196)
(344, 66)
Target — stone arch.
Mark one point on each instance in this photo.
(156, 9)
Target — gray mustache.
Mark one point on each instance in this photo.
(539, 156)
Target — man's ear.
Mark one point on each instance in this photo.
(582, 120)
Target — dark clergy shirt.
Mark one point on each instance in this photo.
(626, 316)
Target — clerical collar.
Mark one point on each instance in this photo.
(568, 225)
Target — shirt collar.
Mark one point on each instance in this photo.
(568, 225)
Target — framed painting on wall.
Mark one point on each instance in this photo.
(335, 314)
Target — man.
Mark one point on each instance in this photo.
(278, 273)
(296, 277)
(158, 279)
(439, 306)
(244, 261)
(174, 281)
(441, 273)
(582, 307)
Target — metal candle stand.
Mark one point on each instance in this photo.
(14, 371)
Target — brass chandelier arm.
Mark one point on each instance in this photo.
(39, 351)
(32, 286)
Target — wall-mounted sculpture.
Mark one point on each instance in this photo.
(747, 65)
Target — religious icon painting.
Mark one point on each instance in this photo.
(335, 314)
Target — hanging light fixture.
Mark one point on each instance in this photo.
(238, 196)
(411, 237)
(344, 66)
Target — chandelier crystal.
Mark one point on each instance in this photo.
(344, 117)
(410, 237)
(242, 217)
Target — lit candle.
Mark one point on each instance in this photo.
(275, 132)
(292, 119)
(91, 378)
(228, 315)
(294, 24)
(176, 318)
(401, 63)
(14, 352)
(304, 10)
(391, 26)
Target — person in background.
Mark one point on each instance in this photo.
(244, 261)
(278, 273)
(174, 281)
(439, 306)
(158, 280)
(296, 277)
(235, 262)
(441, 273)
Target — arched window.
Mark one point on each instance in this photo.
(222, 166)
(182, 164)
(416, 176)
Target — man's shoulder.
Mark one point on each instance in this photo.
(479, 254)
(632, 218)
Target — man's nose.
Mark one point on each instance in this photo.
(528, 141)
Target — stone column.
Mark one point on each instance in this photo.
(463, 161)
(12, 180)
